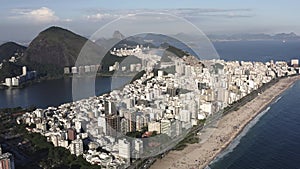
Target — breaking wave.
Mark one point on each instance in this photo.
(237, 140)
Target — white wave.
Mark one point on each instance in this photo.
(237, 140)
(277, 99)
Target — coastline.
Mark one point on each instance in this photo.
(229, 127)
(43, 79)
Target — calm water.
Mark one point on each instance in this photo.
(262, 51)
(55, 92)
(273, 142)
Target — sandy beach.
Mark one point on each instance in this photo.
(229, 126)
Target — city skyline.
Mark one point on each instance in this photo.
(22, 21)
(149, 84)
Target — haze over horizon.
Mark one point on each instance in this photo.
(22, 21)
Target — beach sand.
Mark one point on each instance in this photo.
(228, 127)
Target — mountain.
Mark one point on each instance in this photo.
(118, 40)
(9, 69)
(116, 43)
(9, 49)
(165, 41)
(118, 35)
(286, 36)
(260, 36)
(55, 48)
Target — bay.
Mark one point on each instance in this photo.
(56, 92)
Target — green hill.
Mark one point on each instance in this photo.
(55, 48)
(9, 49)
(9, 70)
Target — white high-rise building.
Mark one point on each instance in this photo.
(66, 70)
(78, 126)
(24, 70)
(139, 122)
(76, 147)
(154, 126)
(295, 62)
(117, 65)
(138, 148)
(74, 70)
(109, 107)
(179, 67)
(166, 127)
(124, 148)
(174, 128)
(8, 82)
(102, 124)
(54, 140)
(178, 127)
(63, 143)
(15, 81)
(185, 115)
(87, 69)
(160, 73)
(39, 113)
(206, 107)
(132, 67)
(188, 70)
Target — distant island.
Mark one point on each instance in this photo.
(247, 37)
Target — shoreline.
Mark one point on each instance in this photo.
(44, 79)
(229, 127)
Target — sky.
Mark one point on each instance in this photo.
(22, 20)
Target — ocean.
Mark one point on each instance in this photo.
(271, 141)
(261, 51)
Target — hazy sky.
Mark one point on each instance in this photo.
(22, 20)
